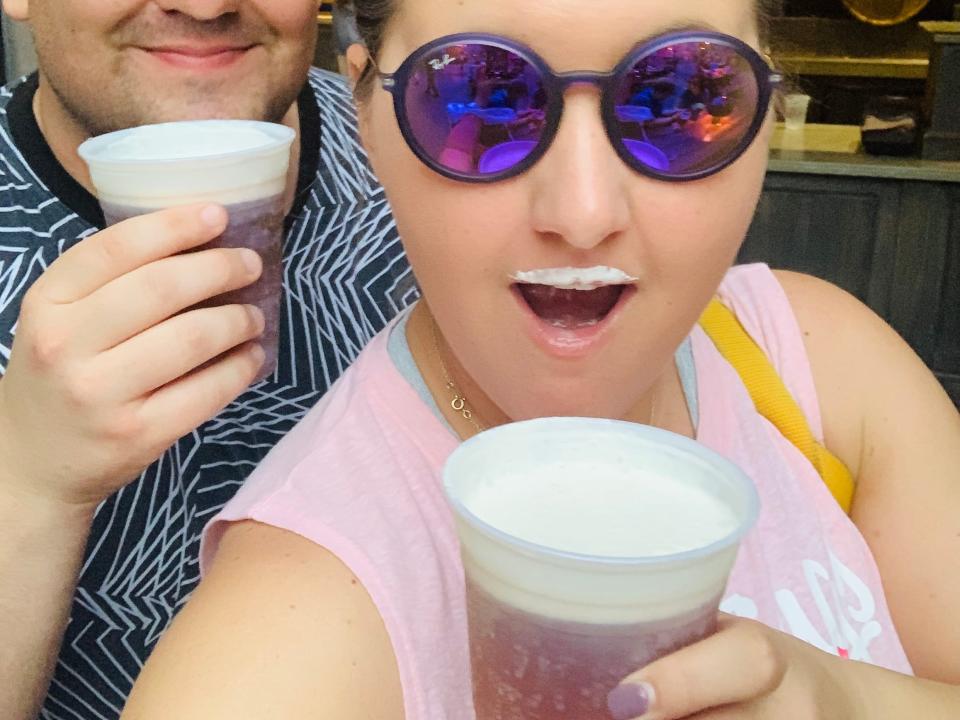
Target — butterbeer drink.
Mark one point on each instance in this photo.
(591, 548)
(239, 164)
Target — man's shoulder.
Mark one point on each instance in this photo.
(13, 168)
(334, 97)
(326, 81)
(343, 170)
(6, 93)
(33, 214)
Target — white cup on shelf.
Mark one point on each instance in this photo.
(795, 108)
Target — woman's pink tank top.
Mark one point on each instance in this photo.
(360, 476)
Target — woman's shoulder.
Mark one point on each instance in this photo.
(835, 328)
(868, 379)
(851, 359)
(763, 308)
(892, 422)
(269, 588)
(345, 461)
(332, 422)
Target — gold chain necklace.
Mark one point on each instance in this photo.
(459, 402)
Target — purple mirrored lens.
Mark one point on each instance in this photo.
(476, 109)
(687, 107)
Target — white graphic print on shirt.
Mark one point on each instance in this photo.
(844, 604)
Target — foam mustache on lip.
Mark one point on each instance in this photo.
(574, 278)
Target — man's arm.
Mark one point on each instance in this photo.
(102, 379)
(40, 554)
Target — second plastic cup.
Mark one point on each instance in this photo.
(236, 163)
(591, 547)
(795, 108)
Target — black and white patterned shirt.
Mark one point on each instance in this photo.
(345, 277)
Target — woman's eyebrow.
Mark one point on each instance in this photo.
(680, 26)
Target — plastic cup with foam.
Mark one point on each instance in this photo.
(237, 163)
(591, 547)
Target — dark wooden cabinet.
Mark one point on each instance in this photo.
(893, 242)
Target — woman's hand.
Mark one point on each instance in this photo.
(746, 670)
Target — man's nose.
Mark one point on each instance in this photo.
(581, 185)
(200, 9)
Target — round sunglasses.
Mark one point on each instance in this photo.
(482, 108)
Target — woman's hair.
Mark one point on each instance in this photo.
(373, 16)
(372, 19)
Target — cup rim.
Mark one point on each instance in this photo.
(678, 443)
(90, 150)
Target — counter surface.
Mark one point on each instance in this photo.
(835, 150)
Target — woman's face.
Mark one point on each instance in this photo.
(580, 206)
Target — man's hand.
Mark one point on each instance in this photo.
(103, 374)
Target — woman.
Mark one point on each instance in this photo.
(344, 31)
(564, 276)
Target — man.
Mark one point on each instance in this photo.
(98, 359)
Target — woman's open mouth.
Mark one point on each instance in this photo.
(571, 307)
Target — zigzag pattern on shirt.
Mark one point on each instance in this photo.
(345, 276)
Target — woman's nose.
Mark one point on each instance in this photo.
(581, 184)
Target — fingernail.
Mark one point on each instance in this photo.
(629, 701)
(214, 216)
(251, 260)
(257, 353)
(258, 318)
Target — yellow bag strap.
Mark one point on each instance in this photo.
(772, 398)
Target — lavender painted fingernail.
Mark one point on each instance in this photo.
(629, 701)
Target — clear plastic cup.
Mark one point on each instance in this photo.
(795, 108)
(237, 163)
(559, 621)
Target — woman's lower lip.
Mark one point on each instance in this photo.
(570, 343)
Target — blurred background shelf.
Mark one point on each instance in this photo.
(859, 67)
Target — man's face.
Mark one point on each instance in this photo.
(114, 64)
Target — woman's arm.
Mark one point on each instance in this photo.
(279, 628)
(886, 415)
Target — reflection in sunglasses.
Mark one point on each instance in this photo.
(479, 106)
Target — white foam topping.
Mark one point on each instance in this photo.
(599, 521)
(155, 166)
(571, 278)
(599, 511)
(171, 142)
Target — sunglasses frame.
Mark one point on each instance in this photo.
(555, 85)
